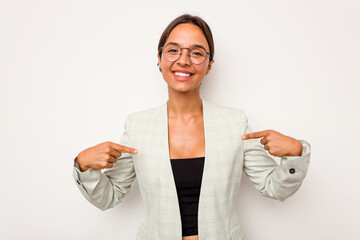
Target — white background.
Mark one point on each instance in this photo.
(72, 70)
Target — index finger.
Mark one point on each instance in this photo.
(255, 135)
(122, 148)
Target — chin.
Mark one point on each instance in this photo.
(184, 89)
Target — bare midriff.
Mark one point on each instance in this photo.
(192, 237)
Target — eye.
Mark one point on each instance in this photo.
(172, 49)
(198, 52)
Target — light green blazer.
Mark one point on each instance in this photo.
(226, 157)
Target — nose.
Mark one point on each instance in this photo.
(184, 57)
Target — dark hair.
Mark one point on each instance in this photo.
(187, 18)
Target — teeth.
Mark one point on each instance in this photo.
(182, 74)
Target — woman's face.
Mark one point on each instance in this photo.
(185, 35)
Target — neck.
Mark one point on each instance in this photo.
(184, 104)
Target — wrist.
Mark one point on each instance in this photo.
(81, 165)
(297, 150)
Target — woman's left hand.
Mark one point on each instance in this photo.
(276, 143)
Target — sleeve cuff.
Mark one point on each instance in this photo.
(297, 165)
(306, 150)
(89, 174)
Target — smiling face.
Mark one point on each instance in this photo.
(182, 75)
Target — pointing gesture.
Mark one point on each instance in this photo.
(103, 155)
(276, 143)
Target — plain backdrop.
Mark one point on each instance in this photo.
(71, 71)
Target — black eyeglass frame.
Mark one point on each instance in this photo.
(162, 53)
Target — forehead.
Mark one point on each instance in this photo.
(187, 34)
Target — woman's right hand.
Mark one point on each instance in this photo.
(103, 155)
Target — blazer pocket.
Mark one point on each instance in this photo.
(236, 233)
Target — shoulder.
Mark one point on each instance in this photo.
(226, 111)
(148, 115)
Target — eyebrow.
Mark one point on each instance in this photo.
(194, 45)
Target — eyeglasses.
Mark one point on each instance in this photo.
(172, 53)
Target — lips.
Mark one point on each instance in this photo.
(182, 75)
(180, 71)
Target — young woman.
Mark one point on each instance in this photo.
(189, 154)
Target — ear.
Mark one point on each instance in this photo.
(209, 66)
(159, 62)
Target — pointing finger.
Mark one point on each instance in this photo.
(255, 135)
(121, 148)
(129, 150)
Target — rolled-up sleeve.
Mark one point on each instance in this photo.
(106, 188)
(273, 180)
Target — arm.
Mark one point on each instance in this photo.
(108, 188)
(273, 180)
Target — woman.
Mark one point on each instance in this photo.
(188, 154)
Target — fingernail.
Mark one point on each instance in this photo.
(243, 137)
(135, 151)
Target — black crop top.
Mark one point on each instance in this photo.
(188, 175)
